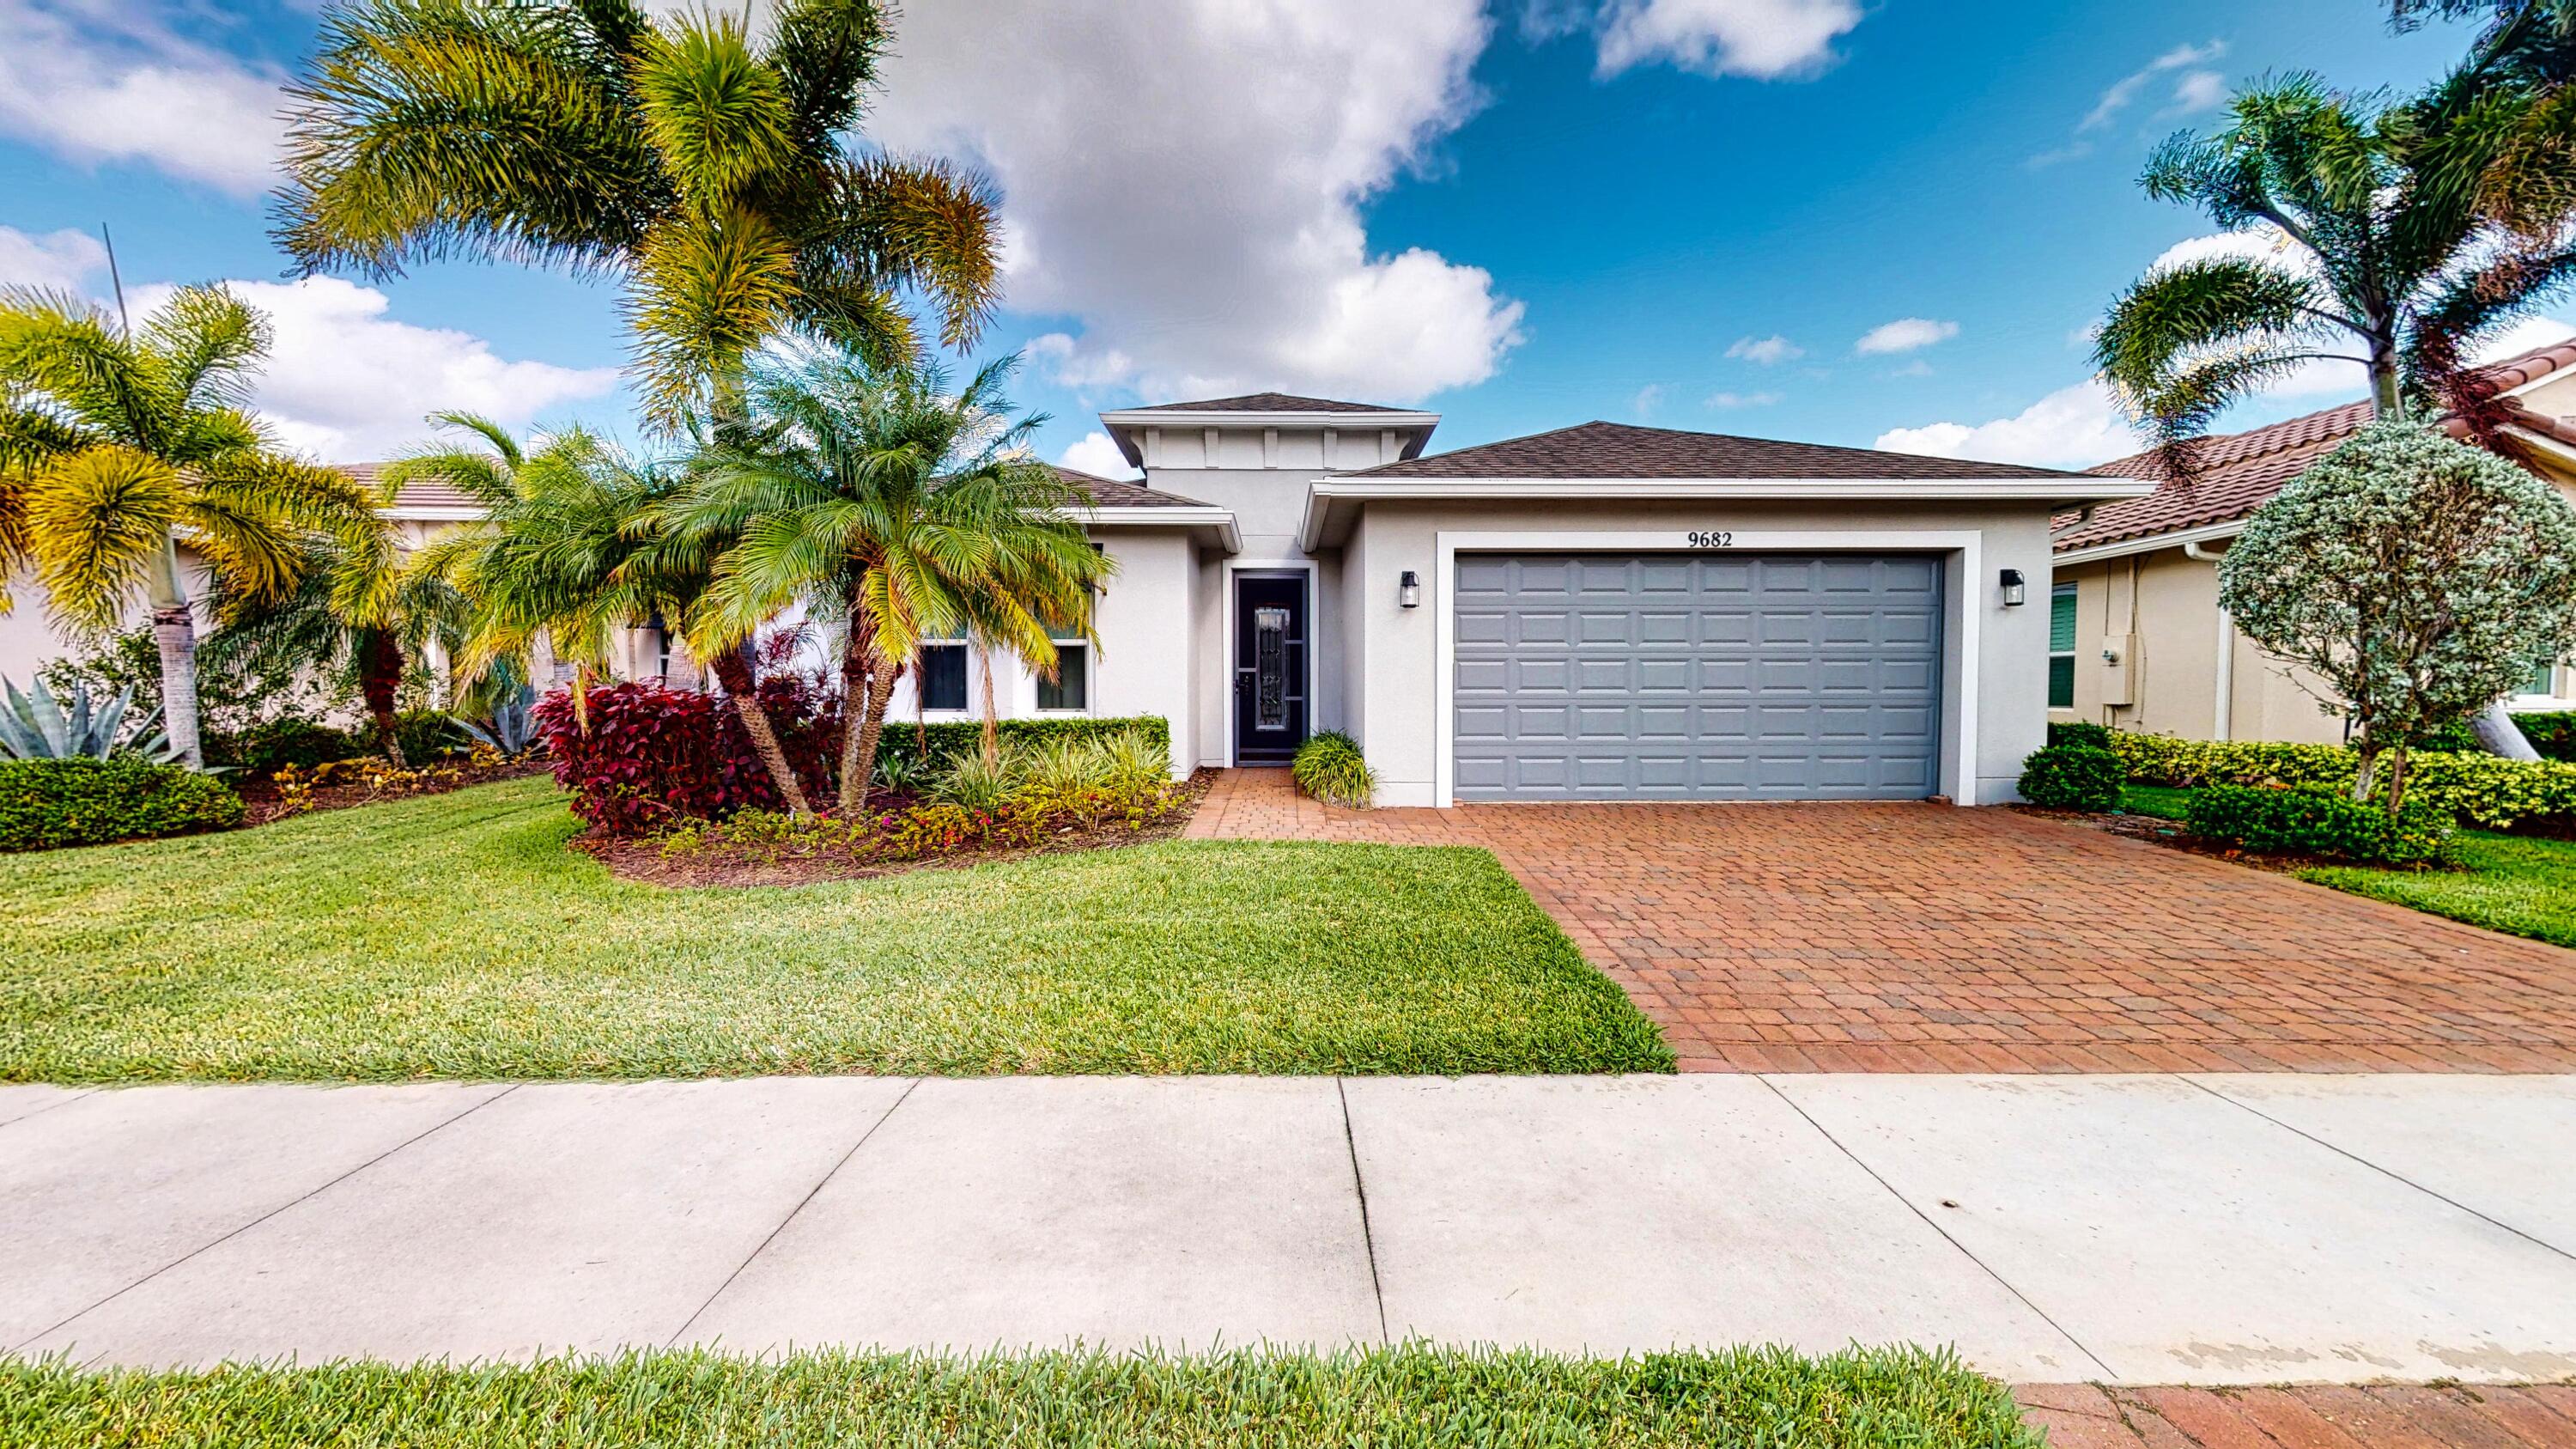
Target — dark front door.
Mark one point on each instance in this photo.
(1269, 668)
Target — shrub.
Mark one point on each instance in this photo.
(429, 734)
(1330, 767)
(654, 755)
(2078, 732)
(936, 745)
(2318, 823)
(272, 745)
(2073, 777)
(2480, 790)
(2553, 734)
(970, 782)
(49, 803)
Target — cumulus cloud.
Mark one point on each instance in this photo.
(58, 261)
(1097, 456)
(1730, 400)
(1905, 334)
(1768, 351)
(2073, 427)
(94, 81)
(1648, 398)
(1762, 39)
(1184, 178)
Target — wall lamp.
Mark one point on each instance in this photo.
(1408, 590)
(2014, 592)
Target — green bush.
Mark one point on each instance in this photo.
(2079, 733)
(2319, 823)
(2073, 777)
(937, 745)
(271, 745)
(50, 803)
(428, 734)
(2480, 790)
(2553, 734)
(1330, 767)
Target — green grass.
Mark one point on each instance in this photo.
(455, 936)
(2164, 802)
(1411, 1396)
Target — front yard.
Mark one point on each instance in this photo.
(455, 936)
(2512, 883)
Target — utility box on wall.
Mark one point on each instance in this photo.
(2119, 666)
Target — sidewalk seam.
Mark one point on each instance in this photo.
(2108, 1373)
(1368, 1234)
(819, 1184)
(439, 1126)
(2542, 1243)
(82, 1095)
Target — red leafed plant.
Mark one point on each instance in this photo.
(655, 755)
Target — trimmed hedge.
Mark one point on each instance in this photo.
(2077, 732)
(45, 804)
(2319, 823)
(937, 744)
(2073, 777)
(2481, 790)
(2553, 734)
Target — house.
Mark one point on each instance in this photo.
(1598, 612)
(2136, 637)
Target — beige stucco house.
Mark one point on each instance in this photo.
(2137, 640)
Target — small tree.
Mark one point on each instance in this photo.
(2414, 577)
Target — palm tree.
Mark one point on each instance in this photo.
(570, 547)
(118, 448)
(704, 169)
(2381, 254)
(910, 511)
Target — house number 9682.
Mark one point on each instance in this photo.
(1711, 540)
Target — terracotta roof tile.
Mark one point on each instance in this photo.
(2236, 472)
(1620, 450)
(1267, 402)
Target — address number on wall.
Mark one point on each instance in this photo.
(1711, 540)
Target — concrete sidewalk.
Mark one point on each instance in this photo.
(2143, 1229)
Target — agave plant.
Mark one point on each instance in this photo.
(512, 726)
(36, 726)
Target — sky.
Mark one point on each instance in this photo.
(1877, 223)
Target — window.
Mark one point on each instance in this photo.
(943, 676)
(1071, 687)
(2544, 679)
(2061, 647)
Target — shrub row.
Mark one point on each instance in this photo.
(2073, 777)
(50, 803)
(939, 745)
(2481, 790)
(2319, 823)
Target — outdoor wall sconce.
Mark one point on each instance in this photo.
(2014, 592)
(1408, 590)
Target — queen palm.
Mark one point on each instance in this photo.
(119, 448)
(704, 168)
(910, 511)
(2380, 249)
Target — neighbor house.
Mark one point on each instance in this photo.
(1599, 612)
(2137, 639)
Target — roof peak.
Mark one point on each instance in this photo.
(1266, 402)
(1604, 449)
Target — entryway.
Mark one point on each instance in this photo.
(1273, 680)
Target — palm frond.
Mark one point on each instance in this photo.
(210, 343)
(716, 115)
(98, 520)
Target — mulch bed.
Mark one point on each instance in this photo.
(640, 858)
(262, 806)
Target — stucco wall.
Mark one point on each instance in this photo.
(1400, 712)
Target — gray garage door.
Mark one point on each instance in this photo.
(1697, 676)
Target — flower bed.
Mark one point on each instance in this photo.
(339, 784)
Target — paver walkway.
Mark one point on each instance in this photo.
(2332, 1416)
(2135, 1230)
(1921, 938)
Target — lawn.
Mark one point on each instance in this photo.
(1413, 1395)
(455, 936)
(2510, 883)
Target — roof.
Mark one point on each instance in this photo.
(1112, 493)
(1266, 402)
(1621, 450)
(2235, 473)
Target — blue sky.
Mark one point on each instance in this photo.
(1832, 220)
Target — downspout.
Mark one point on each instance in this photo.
(2223, 713)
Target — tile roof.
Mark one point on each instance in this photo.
(1619, 450)
(1112, 493)
(1267, 402)
(2236, 472)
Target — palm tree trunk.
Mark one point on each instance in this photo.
(992, 718)
(859, 758)
(733, 671)
(380, 663)
(174, 631)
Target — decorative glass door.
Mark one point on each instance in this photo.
(1270, 669)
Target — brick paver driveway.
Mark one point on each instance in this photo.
(1924, 938)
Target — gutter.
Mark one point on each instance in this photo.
(2223, 710)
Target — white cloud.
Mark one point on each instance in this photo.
(58, 261)
(2207, 85)
(1097, 456)
(1185, 178)
(2073, 427)
(1648, 398)
(1905, 334)
(2197, 91)
(1730, 400)
(1763, 39)
(98, 81)
(1766, 351)
(346, 383)
(2524, 336)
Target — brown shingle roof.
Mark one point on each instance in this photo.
(1267, 402)
(1619, 450)
(2236, 472)
(1112, 493)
